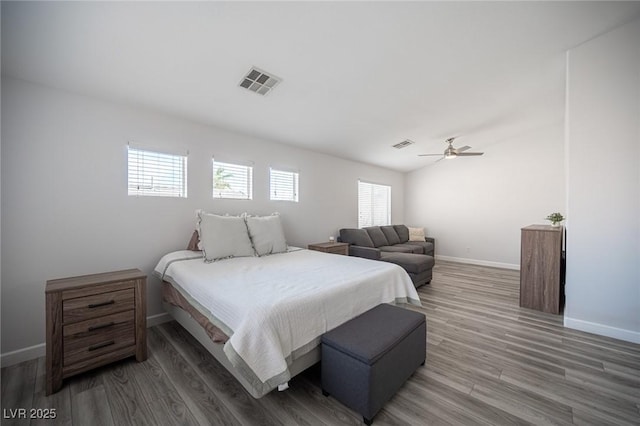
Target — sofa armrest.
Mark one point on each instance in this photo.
(366, 252)
(432, 241)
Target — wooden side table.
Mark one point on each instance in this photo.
(93, 320)
(336, 248)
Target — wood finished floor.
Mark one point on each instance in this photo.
(488, 362)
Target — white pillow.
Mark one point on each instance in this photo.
(266, 234)
(416, 234)
(223, 236)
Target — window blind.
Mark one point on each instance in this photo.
(156, 174)
(283, 185)
(374, 204)
(232, 181)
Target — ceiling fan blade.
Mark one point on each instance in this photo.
(464, 148)
(427, 155)
(469, 154)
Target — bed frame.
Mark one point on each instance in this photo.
(216, 349)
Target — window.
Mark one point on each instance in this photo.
(156, 174)
(374, 204)
(283, 185)
(232, 181)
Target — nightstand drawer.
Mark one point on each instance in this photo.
(89, 339)
(97, 325)
(83, 308)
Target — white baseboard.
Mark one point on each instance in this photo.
(20, 355)
(37, 351)
(479, 262)
(158, 319)
(602, 330)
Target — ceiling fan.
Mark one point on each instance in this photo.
(452, 152)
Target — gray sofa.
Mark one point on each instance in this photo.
(391, 244)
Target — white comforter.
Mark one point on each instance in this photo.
(275, 308)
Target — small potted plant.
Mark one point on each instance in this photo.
(555, 219)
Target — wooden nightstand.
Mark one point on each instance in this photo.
(336, 248)
(94, 320)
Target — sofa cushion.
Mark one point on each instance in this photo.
(412, 248)
(398, 248)
(427, 247)
(413, 263)
(358, 237)
(391, 234)
(377, 236)
(403, 232)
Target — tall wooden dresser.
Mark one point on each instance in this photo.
(542, 268)
(93, 320)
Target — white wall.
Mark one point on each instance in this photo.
(603, 227)
(475, 206)
(65, 209)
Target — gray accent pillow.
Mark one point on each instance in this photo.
(266, 234)
(223, 236)
(403, 232)
(391, 234)
(377, 236)
(358, 237)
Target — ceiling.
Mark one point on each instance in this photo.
(357, 77)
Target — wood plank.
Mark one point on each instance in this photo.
(326, 409)
(85, 381)
(91, 406)
(598, 404)
(606, 383)
(18, 388)
(243, 406)
(125, 396)
(60, 401)
(160, 394)
(463, 408)
(201, 400)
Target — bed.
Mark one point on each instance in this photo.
(272, 310)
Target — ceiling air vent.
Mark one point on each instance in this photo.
(259, 81)
(405, 143)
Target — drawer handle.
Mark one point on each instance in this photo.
(98, 327)
(97, 305)
(101, 345)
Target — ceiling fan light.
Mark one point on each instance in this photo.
(449, 153)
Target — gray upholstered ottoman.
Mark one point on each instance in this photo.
(366, 360)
